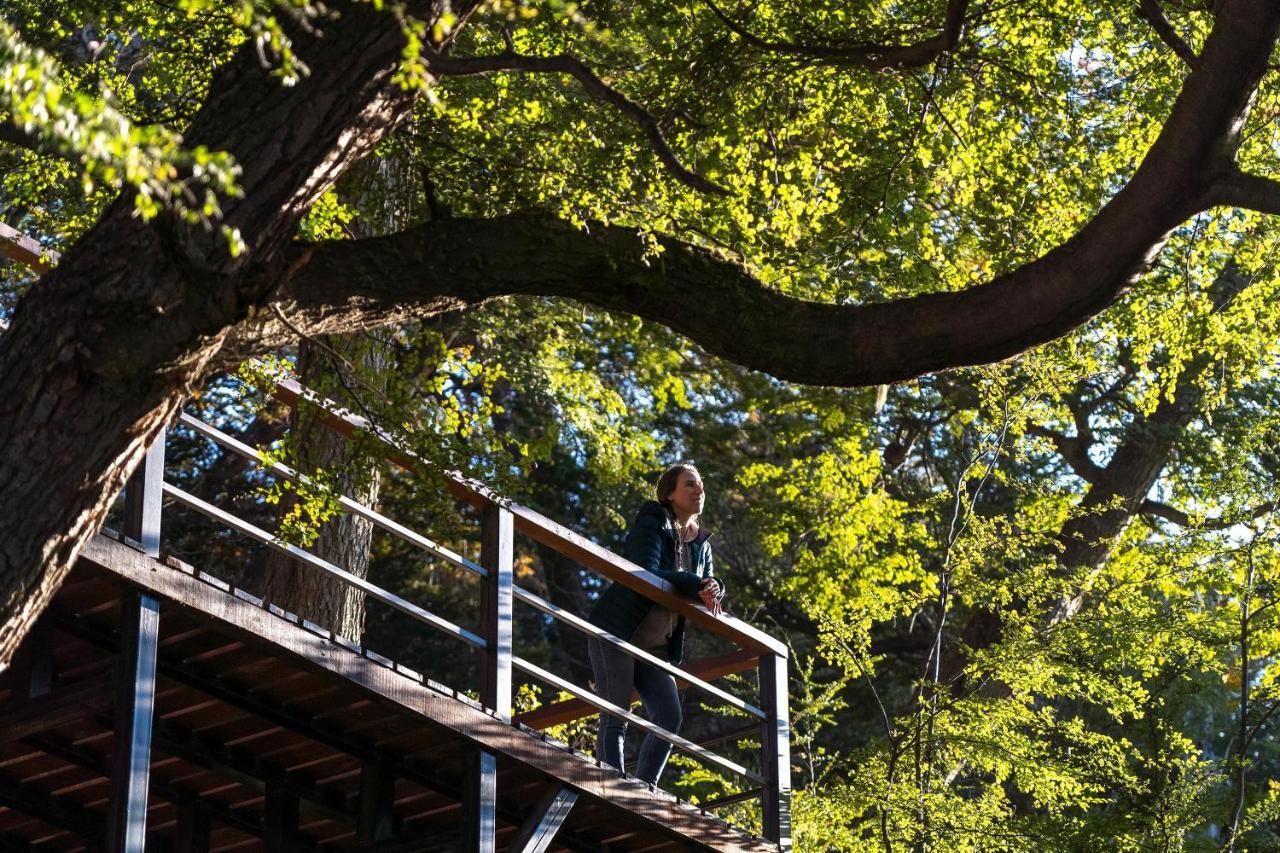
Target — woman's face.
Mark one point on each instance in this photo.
(688, 496)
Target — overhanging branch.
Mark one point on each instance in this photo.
(1151, 12)
(1251, 192)
(874, 57)
(1183, 519)
(448, 66)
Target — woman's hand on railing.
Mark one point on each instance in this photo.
(709, 593)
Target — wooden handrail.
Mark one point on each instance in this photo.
(543, 530)
(17, 246)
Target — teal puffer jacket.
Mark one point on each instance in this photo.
(651, 544)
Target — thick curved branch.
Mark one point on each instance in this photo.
(725, 309)
(1151, 12)
(1251, 192)
(1182, 519)
(875, 57)
(448, 66)
(1073, 449)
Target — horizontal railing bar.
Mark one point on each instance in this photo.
(568, 710)
(555, 536)
(583, 625)
(372, 590)
(356, 508)
(703, 755)
(740, 797)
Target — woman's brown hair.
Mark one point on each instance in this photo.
(669, 480)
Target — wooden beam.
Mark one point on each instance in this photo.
(248, 700)
(542, 529)
(19, 247)
(708, 669)
(497, 555)
(193, 829)
(544, 820)
(135, 708)
(480, 803)
(443, 711)
(65, 705)
(377, 801)
(280, 820)
(41, 805)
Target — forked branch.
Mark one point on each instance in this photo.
(448, 66)
(874, 57)
(1154, 15)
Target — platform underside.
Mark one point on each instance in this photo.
(255, 714)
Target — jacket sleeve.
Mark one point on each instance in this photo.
(711, 573)
(644, 548)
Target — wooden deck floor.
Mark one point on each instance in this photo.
(256, 715)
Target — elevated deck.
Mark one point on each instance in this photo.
(270, 735)
(156, 707)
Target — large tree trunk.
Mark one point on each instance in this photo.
(107, 346)
(344, 540)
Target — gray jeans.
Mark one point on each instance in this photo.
(616, 674)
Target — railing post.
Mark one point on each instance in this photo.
(143, 499)
(775, 743)
(135, 707)
(497, 553)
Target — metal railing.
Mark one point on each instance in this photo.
(500, 521)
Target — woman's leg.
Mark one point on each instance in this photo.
(614, 674)
(661, 702)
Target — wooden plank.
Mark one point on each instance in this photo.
(135, 708)
(708, 669)
(55, 811)
(544, 820)
(443, 711)
(65, 705)
(497, 555)
(19, 247)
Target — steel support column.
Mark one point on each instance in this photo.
(497, 553)
(480, 803)
(135, 707)
(775, 742)
(544, 820)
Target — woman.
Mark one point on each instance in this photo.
(666, 540)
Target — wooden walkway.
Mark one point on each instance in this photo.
(268, 735)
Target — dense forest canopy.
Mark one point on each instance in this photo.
(1029, 579)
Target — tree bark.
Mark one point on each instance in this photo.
(344, 540)
(104, 349)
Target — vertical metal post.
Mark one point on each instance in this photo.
(775, 742)
(377, 801)
(497, 553)
(193, 829)
(280, 820)
(135, 707)
(143, 498)
(480, 803)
